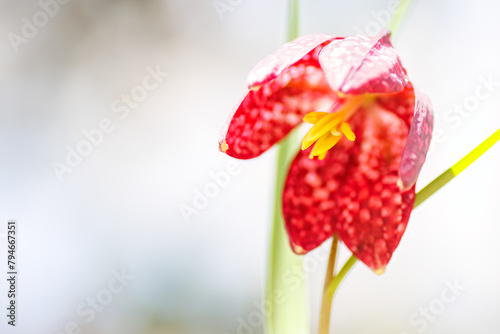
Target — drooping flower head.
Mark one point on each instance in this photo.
(371, 132)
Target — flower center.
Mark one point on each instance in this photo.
(329, 127)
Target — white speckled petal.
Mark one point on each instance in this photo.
(290, 53)
(361, 64)
(418, 141)
(269, 113)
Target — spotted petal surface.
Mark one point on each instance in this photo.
(415, 109)
(353, 191)
(361, 64)
(418, 142)
(291, 52)
(268, 114)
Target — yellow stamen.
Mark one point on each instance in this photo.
(347, 131)
(314, 117)
(326, 142)
(323, 126)
(329, 127)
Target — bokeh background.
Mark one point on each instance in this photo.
(119, 208)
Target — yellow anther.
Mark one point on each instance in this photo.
(314, 117)
(224, 146)
(329, 127)
(323, 126)
(326, 142)
(322, 155)
(347, 131)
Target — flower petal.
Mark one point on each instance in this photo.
(309, 202)
(416, 110)
(291, 52)
(353, 191)
(269, 113)
(419, 140)
(360, 64)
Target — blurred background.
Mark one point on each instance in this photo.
(117, 211)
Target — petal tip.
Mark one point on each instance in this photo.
(223, 146)
(385, 32)
(379, 271)
(254, 87)
(298, 250)
(405, 185)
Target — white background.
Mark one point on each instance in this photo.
(119, 208)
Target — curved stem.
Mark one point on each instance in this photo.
(326, 303)
(340, 276)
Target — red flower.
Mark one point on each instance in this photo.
(362, 186)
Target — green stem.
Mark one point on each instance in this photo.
(293, 20)
(456, 169)
(396, 19)
(285, 303)
(326, 304)
(430, 189)
(285, 310)
(340, 276)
